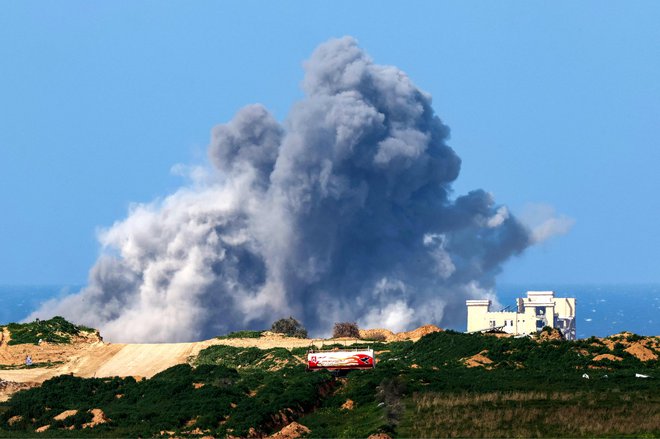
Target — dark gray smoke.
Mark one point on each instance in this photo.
(342, 213)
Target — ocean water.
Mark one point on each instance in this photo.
(17, 302)
(601, 309)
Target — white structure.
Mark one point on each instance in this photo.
(537, 310)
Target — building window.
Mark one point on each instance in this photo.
(492, 323)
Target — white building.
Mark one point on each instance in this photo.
(537, 310)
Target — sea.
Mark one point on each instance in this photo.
(601, 310)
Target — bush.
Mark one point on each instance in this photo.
(55, 330)
(376, 337)
(290, 327)
(346, 329)
(241, 334)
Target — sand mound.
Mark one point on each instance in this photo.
(641, 352)
(99, 418)
(606, 357)
(65, 414)
(478, 360)
(554, 334)
(387, 335)
(376, 334)
(291, 431)
(418, 333)
(644, 348)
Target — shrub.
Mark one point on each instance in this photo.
(55, 330)
(241, 334)
(346, 329)
(376, 337)
(290, 327)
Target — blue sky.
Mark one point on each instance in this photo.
(553, 103)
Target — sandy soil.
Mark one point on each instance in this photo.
(91, 357)
(292, 431)
(606, 357)
(388, 335)
(643, 349)
(94, 358)
(478, 360)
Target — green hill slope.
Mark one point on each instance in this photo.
(446, 384)
(55, 330)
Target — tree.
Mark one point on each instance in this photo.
(290, 327)
(346, 329)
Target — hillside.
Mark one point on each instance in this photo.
(81, 351)
(254, 384)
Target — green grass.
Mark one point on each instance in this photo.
(248, 358)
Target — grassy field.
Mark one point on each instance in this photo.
(532, 414)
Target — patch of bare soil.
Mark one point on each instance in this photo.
(348, 405)
(98, 418)
(478, 360)
(606, 357)
(554, 334)
(292, 431)
(65, 414)
(380, 436)
(497, 334)
(418, 333)
(388, 335)
(8, 388)
(644, 349)
(14, 420)
(377, 334)
(42, 428)
(5, 336)
(641, 352)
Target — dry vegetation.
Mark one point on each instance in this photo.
(531, 414)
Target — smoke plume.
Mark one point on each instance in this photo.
(342, 213)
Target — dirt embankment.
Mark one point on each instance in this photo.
(89, 356)
(645, 349)
(387, 335)
(478, 360)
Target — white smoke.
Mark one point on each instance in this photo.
(343, 213)
(544, 223)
